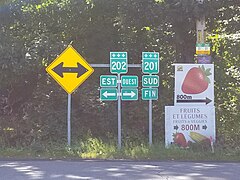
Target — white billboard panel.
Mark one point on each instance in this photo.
(186, 124)
(194, 84)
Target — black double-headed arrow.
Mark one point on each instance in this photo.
(207, 100)
(59, 69)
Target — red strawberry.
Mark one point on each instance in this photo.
(196, 80)
(180, 139)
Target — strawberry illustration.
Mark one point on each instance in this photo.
(196, 80)
(180, 140)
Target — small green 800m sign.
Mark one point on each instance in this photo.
(150, 62)
(118, 62)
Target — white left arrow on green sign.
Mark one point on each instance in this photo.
(108, 94)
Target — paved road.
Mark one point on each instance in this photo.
(110, 170)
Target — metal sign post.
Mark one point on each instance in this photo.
(119, 114)
(69, 70)
(118, 65)
(108, 82)
(150, 122)
(69, 119)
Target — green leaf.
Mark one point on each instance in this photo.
(208, 72)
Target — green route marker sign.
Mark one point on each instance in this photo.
(150, 80)
(149, 93)
(203, 48)
(129, 94)
(108, 94)
(108, 81)
(129, 81)
(118, 62)
(150, 62)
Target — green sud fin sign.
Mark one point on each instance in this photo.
(149, 93)
(150, 80)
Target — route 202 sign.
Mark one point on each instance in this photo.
(194, 84)
(118, 62)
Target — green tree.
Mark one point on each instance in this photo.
(33, 33)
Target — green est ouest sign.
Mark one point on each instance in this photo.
(129, 90)
(108, 81)
(129, 81)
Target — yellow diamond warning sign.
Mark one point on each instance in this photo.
(70, 69)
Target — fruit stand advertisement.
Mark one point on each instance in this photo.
(194, 84)
(185, 125)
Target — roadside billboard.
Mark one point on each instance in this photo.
(187, 124)
(194, 85)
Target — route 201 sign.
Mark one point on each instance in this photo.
(194, 84)
(150, 62)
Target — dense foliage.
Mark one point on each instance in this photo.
(32, 34)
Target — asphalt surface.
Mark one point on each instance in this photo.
(110, 170)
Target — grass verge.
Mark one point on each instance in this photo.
(93, 148)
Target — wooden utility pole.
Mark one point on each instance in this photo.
(201, 27)
(202, 48)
